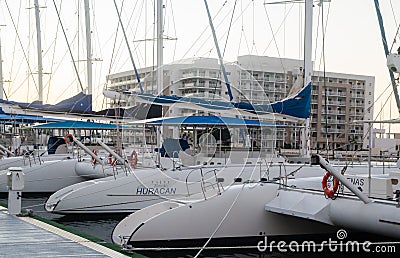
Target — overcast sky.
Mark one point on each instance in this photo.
(352, 44)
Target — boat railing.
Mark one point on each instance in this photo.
(283, 179)
(174, 162)
(203, 183)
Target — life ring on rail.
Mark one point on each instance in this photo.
(133, 159)
(69, 138)
(111, 161)
(329, 192)
(93, 159)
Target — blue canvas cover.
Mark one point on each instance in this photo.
(77, 125)
(209, 121)
(80, 103)
(297, 106)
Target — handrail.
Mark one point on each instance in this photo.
(113, 153)
(6, 150)
(87, 150)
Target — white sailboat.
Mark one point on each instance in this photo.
(186, 177)
(49, 173)
(248, 213)
(148, 186)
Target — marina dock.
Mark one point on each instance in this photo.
(25, 236)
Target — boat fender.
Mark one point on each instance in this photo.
(93, 159)
(111, 161)
(68, 138)
(330, 193)
(133, 159)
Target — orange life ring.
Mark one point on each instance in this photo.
(68, 138)
(133, 159)
(329, 192)
(111, 161)
(93, 159)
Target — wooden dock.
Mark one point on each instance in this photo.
(28, 237)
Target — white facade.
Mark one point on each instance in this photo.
(261, 79)
(385, 142)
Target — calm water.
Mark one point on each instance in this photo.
(101, 227)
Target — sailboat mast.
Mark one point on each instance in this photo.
(305, 137)
(39, 51)
(1, 73)
(160, 69)
(221, 62)
(385, 47)
(88, 49)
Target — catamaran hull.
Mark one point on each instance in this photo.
(21, 161)
(129, 193)
(47, 177)
(235, 218)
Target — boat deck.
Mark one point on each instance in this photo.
(28, 237)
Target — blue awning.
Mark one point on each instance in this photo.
(209, 121)
(9, 118)
(77, 125)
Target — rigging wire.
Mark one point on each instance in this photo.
(98, 49)
(220, 223)
(370, 127)
(300, 32)
(325, 30)
(241, 34)
(229, 28)
(324, 85)
(136, 49)
(153, 77)
(207, 39)
(316, 38)
(20, 42)
(397, 25)
(278, 29)
(379, 114)
(69, 47)
(29, 47)
(253, 45)
(130, 53)
(121, 48)
(53, 58)
(201, 34)
(225, 215)
(112, 58)
(175, 34)
(273, 36)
